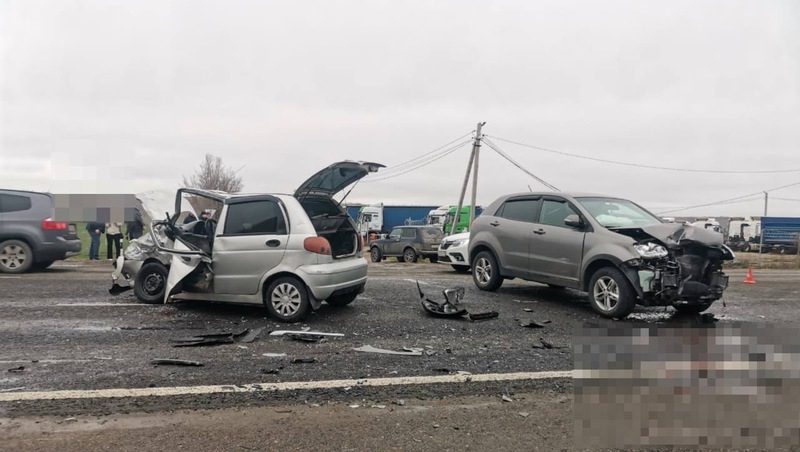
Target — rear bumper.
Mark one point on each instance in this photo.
(59, 249)
(325, 279)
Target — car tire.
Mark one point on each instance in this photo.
(409, 255)
(286, 299)
(461, 268)
(150, 283)
(375, 254)
(606, 284)
(342, 300)
(42, 265)
(486, 272)
(693, 308)
(434, 259)
(16, 256)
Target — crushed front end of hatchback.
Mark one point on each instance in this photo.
(678, 265)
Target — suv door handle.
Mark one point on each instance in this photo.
(273, 243)
(495, 223)
(539, 231)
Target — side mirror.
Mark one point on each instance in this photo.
(573, 221)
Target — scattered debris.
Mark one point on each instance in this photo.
(200, 340)
(305, 337)
(283, 410)
(448, 308)
(310, 333)
(404, 352)
(243, 347)
(435, 425)
(399, 402)
(304, 360)
(17, 369)
(524, 414)
(251, 335)
(506, 398)
(380, 407)
(545, 345)
(708, 318)
(354, 406)
(442, 370)
(484, 315)
(527, 309)
(270, 371)
(531, 324)
(274, 355)
(175, 362)
(70, 419)
(18, 388)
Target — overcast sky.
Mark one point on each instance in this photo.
(123, 97)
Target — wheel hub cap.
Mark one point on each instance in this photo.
(483, 271)
(286, 299)
(606, 293)
(12, 256)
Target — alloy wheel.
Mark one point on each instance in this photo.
(606, 293)
(483, 271)
(286, 299)
(12, 257)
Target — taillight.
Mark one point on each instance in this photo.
(317, 245)
(50, 225)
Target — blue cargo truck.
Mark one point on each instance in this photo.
(780, 234)
(380, 219)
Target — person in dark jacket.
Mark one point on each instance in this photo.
(135, 228)
(95, 229)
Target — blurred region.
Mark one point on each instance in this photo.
(731, 385)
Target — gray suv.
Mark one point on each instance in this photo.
(29, 237)
(615, 250)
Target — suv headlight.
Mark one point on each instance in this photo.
(133, 252)
(650, 250)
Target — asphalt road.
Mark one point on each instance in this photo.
(61, 330)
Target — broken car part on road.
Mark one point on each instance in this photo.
(450, 308)
(175, 362)
(246, 336)
(301, 333)
(404, 352)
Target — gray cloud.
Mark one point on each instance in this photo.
(127, 96)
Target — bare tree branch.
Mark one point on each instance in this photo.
(214, 175)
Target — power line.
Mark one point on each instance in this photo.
(785, 199)
(729, 200)
(495, 148)
(640, 165)
(426, 163)
(418, 158)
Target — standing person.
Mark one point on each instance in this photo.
(113, 237)
(95, 229)
(135, 228)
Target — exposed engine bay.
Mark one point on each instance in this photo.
(679, 264)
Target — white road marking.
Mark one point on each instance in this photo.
(10, 277)
(269, 387)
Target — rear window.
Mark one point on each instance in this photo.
(408, 233)
(520, 210)
(432, 234)
(14, 203)
(255, 217)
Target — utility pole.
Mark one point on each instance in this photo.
(472, 159)
(766, 201)
(476, 149)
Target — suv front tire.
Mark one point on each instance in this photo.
(610, 293)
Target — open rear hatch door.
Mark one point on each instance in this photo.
(336, 177)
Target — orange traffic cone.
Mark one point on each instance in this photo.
(749, 278)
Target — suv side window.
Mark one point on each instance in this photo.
(14, 203)
(409, 233)
(520, 210)
(255, 217)
(395, 234)
(554, 212)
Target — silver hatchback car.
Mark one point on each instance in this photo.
(289, 252)
(615, 250)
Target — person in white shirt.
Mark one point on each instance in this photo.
(113, 239)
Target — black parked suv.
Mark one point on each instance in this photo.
(408, 243)
(29, 237)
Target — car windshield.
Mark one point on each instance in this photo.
(618, 213)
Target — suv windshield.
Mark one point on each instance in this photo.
(618, 213)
